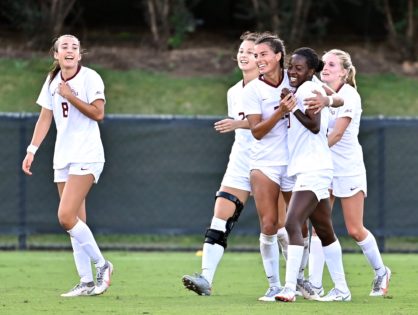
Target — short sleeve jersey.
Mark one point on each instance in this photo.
(240, 152)
(78, 137)
(347, 154)
(308, 151)
(262, 98)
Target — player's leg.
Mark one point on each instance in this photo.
(317, 259)
(353, 208)
(73, 196)
(228, 206)
(282, 236)
(82, 260)
(321, 220)
(266, 195)
(301, 205)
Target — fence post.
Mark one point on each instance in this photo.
(22, 237)
(381, 187)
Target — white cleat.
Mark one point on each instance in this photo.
(335, 295)
(103, 277)
(270, 294)
(286, 295)
(380, 284)
(81, 289)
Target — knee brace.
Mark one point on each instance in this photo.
(216, 237)
(238, 208)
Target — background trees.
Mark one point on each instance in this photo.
(167, 23)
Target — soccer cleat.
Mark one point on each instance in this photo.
(270, 294)
(103, 275)
(306, 290)
(286, 295)
(318, 290)
(380, 284)
(81, 289)
(335, 295)
(197, 283)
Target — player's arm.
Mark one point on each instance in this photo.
(230, 124)
(341, 125)
(319, 101)
(94, 110)
(41, 130)
(310, 119)
(259, 128)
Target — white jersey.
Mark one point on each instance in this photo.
(308, 151)
(262, 98)
(240, 152)
(347, 154)
(78, 137)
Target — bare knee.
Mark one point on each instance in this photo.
(66, 219)
(357, 233)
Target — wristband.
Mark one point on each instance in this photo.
(32, 149)
(331, 101)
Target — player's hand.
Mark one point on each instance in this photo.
(225, 125)
(317, 102)
(288, 103)
(64, 89)
(27, 163)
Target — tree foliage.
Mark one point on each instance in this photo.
(40, 20)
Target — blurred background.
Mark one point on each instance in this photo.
(167, 65)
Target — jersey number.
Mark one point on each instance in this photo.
(64, 109)
(242, 114)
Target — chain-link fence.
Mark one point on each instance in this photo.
(161, 174)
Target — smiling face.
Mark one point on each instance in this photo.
(333, 72)
(245, 56)
(298, 70)
(267, 61)
(67, 51)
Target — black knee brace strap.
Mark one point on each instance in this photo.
(238, 208)
(215, 237)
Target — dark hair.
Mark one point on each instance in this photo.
(312, 59)
(55, 68)
(275, 43)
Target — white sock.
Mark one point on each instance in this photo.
(316, 262)
(372, 253)
(294, 259)
(212, 253)
(305, 257)
(83, 235)
(283, 239)
(334, 259)
(82, 262)
(269, 250)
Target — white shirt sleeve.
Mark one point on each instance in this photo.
(94, 87)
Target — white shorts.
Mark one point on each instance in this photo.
(278, 174)
(61, 175)
(237, 174)
(347, 186)
(318, 182)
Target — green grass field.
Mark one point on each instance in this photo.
(141, 92)
(149, 283)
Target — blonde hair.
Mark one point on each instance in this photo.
(55, 68)
(346, 63)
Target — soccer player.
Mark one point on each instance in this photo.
(73, 96)
(235, 187)
(310, 162)
(266, 113)
(349, 181)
